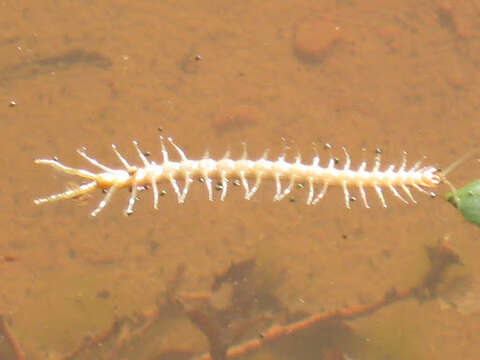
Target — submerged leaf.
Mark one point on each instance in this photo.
(467, 200)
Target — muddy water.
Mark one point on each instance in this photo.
(402, 76)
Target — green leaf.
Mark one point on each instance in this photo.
(467, 200)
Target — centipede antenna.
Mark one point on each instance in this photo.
(443, 174)
(458, 162)
(94, 162)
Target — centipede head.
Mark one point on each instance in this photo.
(431, 176)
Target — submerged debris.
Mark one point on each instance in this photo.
(50, 64)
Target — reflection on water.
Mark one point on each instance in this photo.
(247, 279)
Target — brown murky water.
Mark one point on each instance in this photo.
(199, 277)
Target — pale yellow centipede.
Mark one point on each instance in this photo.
(224, 170)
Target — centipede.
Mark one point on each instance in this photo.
(401, 181)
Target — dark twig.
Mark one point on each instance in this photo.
(277, 332)
(5, 330)
(212, 321)
(440, 256)
(94, 340)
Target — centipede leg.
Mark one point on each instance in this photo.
(104, 202)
